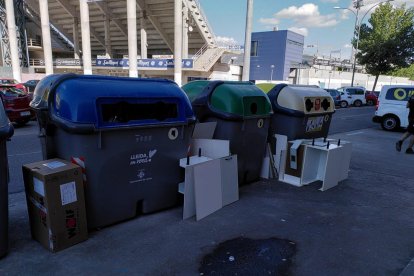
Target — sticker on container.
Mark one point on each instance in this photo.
(54, 164)
(260, 123)
(80, 161)
(317, 104)
(173, 133)
(38, 186)
(314, 124)
(68, 193)
(326, 118)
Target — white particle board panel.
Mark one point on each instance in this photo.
(265, 171)
(207, 188)
(311, 165)
(211, 148)
(193, 161)
(332, 169)
(281, 144)
(189, 209)
(229, 179)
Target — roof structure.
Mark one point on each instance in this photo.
(157, 15)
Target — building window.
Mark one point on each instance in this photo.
(253, 50)
(296, 43)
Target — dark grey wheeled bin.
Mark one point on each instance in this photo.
(6, 131)
(242, 112)
(300, 111)
(128, 134)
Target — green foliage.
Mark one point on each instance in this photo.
(407, 72)
(387, 43)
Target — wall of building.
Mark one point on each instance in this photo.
(226, 72)
(270, 51)
(293, 52)
(277, 52)
(326, 78)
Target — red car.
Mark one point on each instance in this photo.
(16, 103)
(371, 98)
(14, 83)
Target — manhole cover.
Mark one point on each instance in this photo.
(243, 256)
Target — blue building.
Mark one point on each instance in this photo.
(273, 54)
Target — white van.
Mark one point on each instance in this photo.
(352, 95)
(392, 111)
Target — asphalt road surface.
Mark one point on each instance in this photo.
(364, 226)
(25, 145)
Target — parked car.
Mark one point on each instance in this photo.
(352, 95)
(371, 98)
(13, 83)
(392, 111)
(31, 85)
(16, 103)
(336, 96)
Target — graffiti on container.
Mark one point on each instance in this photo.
(142, 158)
(314, 124)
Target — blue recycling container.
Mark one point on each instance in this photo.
(127, 134)
(6, 131)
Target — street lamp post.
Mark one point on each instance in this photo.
(271, 72)
(329, 82)
(357, 5)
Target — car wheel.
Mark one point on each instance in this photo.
(357, 103)
(390, 123)
(370, 102)
(344, 104)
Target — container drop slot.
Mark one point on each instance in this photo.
(253, 108)
(326, 104)
(124, 112)
(254, 105)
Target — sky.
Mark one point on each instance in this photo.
(326, 30)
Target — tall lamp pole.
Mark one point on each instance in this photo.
(247, 41)
(271, 72)
(357, 5)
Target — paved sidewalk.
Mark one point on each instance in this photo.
(364, 226)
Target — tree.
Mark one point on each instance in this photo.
(407, 72)
(387, 42)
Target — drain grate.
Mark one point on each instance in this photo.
(244, 256)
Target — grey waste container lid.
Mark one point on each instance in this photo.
(6, 128)
(300, 100)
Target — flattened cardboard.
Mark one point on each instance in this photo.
(204, 130)
(56, 203)
(211, 148)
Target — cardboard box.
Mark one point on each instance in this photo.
(56, 203)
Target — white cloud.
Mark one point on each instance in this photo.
(329, 1)
(302, 31)
(226, 41)
(269, 21)
(306, 15)
(347, 46)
